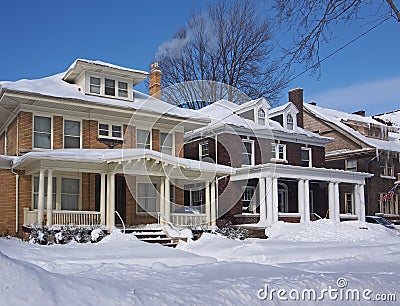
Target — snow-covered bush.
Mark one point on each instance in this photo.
(233, 232)
(97, 234)
(44, 236)
(39, 235)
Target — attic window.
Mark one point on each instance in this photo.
(109, 89)
(123, 89)
(289, 122)
(261, 116)
(94, 85)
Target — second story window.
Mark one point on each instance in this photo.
(351, 165)
(95, 84)
(289, 122)
(248, 201)
(123, 89)
(261, 116)
(109, 88)
(247, 152)
(166, 145)
(143, 140)
(386, 166)
(278, 151)
(110, 130)
(41, 132)
(72, 134)
(203, 150)
(306, 160)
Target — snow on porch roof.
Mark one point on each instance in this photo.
(108, 156)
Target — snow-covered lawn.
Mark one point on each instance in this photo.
(121, 270)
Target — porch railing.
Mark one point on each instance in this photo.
(188, 220)
(65, 217)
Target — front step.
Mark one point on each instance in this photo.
(151, 236)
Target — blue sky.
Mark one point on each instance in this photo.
(40, 38)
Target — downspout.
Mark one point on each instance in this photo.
(16, 198)
(17, 147)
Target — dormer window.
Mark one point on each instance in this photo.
(261, 116)
(95, 84)
(289, 122)
(109, 88)
(123, 89)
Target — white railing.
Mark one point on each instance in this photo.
(81, 218)
(188, 220)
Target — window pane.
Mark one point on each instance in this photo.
(122, 85)
(42, 141)
(72, 142)
(72, 128)
(103, 129)
(69, 202)
(166, 143)
(70, 186)
(143, 139)
(70, 194)
(109, 87)
(116, 131)
(95, 85)
(94, 81)
(42, 124)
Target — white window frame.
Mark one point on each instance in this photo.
(309, 156)
(252, 157)
(349, 203)
(389, 207)
(95, 85)
(172, 147)
(80, 135)
(150, 138)
(275, 152)
(202, 151)
(102, 86)
(385, 170)
(105, 86)
(252, 206)
(350, 167)
(290, 126)
(51, 131)
(157, 193)
(110, 130)
(261, 116)
(119, 89)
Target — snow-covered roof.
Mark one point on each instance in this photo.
(54, 86)
(107, 156)
(6, 161)
(391, 118)
(224, 112)
(338, 118)
(282, 108)
(104, 64)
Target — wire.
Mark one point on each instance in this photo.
(338, 50)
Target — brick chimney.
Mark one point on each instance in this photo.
(155, 81)
(360, 113)
(296, 97)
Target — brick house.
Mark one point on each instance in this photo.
(279, 166)
(360, 144)
(79, 146)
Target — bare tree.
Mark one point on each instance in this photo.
(228, 47)
(313, 20)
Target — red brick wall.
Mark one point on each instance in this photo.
(25, 130)
(7, 202)
(58, 132)
(179, 144)
(155, 139)
(129, 136)
(2, 144)
(12, 138)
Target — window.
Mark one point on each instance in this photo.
(348, 203)
(351, 165)
(109, 88)
(70, 193)
(289, 122)
(123, 89)
(95, 85)
(306, 159)
(166, 143)
(278, 151)
(261, 116)
(204, 150)
(196, 200)
(72, 134)
(143, 139)
(42, 132)
(146, 198)
(110, 131)
(386, 166)
(36, 192)
(248, 200)
(247, 152)
(390, 206)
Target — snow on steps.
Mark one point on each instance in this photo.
(151, 235)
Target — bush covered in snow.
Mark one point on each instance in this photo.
(44, 235)
(232, 232)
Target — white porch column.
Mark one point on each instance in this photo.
(337, 203)
(213, 204)
(111, 199)
(162, 200)
(49, 207)
(331, 200)
(300, 199)
(269, 199)
(167, 204)
(103, 199)
(362, 203)
(41, 198)
(208, 206)
(275, 210)
(306, 201)
(356, 192)
(262, 194)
